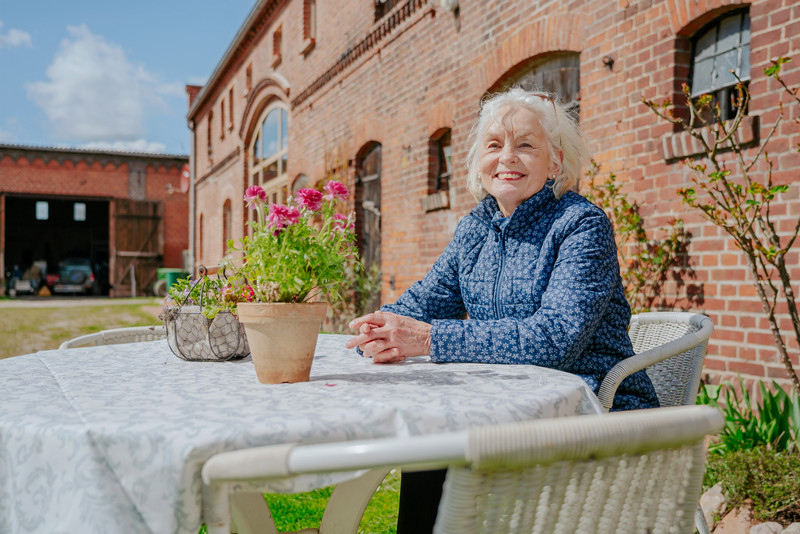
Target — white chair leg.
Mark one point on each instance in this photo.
(250, 514)
(700, 521)
(348, 501)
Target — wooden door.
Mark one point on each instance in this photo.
(137, 250)
(368, 206)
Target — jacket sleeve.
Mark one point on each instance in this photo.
(585, 274)
(438, 295)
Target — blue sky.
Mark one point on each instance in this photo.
(108, 74)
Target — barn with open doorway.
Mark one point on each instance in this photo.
(121, 215)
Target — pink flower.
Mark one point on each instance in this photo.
(281, 216)
(248, 294)
(336, 190)
(342, 223)
(254, 195)
(310, 198)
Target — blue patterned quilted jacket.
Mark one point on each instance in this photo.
(540, 287)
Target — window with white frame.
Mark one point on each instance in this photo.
(720, 55)
(269, 153)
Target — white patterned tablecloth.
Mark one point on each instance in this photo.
(111, 439)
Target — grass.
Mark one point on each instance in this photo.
(30, 329)
(304, 510)
(293, 512)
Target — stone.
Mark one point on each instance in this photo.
(738, 521)
(713, 504)
(794, 528)
(767, 528)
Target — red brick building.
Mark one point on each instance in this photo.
(128, 213)
(382, 93)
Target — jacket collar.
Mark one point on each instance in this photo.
(529, 211)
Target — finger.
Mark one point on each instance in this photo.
(372, 318)
(359, 340)
(391, 355)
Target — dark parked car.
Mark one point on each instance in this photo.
(76, 276)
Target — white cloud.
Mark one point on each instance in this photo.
(140, 145)
(14, 37)
(94, 93)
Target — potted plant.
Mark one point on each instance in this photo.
(200, 318)
(296, 256)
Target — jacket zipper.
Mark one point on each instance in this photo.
(499, 274)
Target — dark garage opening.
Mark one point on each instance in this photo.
(51, 229)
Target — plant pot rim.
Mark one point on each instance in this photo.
(247, 310)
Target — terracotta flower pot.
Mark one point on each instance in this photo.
(282, 338)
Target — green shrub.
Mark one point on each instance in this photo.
(768, 477)
(774, 424)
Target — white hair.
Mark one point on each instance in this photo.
(565, 142)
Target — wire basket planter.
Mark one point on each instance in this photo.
(194, 337)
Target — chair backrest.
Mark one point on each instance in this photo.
(675, 379)
(627, 472)
(619, 473)
(115, 336)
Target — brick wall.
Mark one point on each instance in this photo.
(94, 175)
(398, 83)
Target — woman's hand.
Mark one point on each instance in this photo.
(388, 337)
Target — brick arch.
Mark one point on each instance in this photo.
(262, 95)
(365, 132)
(688, 16)
(559, 32)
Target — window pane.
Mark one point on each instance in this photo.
(257, 149)
(729, 33)
(269, 134)
(704, 46)
(725, 63)
(284, 130)
(79, 211)
(284, 163)
(271, 171)
(299, 183)
(745, 40)
(702, 76)
(744, 70)
(42, 211)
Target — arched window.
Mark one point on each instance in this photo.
(200, 237)
(227, 225)
(309, 24)
(299, 183)
(368, 203)
(719, 48)
(558, 73)
(269, 153)
(439, 169)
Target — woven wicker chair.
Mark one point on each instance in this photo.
(671, 347)
(627, 472)
(117, 335)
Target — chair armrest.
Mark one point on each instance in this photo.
(645, 359)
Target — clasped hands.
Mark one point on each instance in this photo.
(388, 337)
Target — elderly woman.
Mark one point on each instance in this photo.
(533, 265)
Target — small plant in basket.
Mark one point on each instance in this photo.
(212, 295)
(297, 253)
(200, 318)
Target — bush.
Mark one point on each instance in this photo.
(770, 478)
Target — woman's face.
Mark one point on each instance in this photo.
(514, 159)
